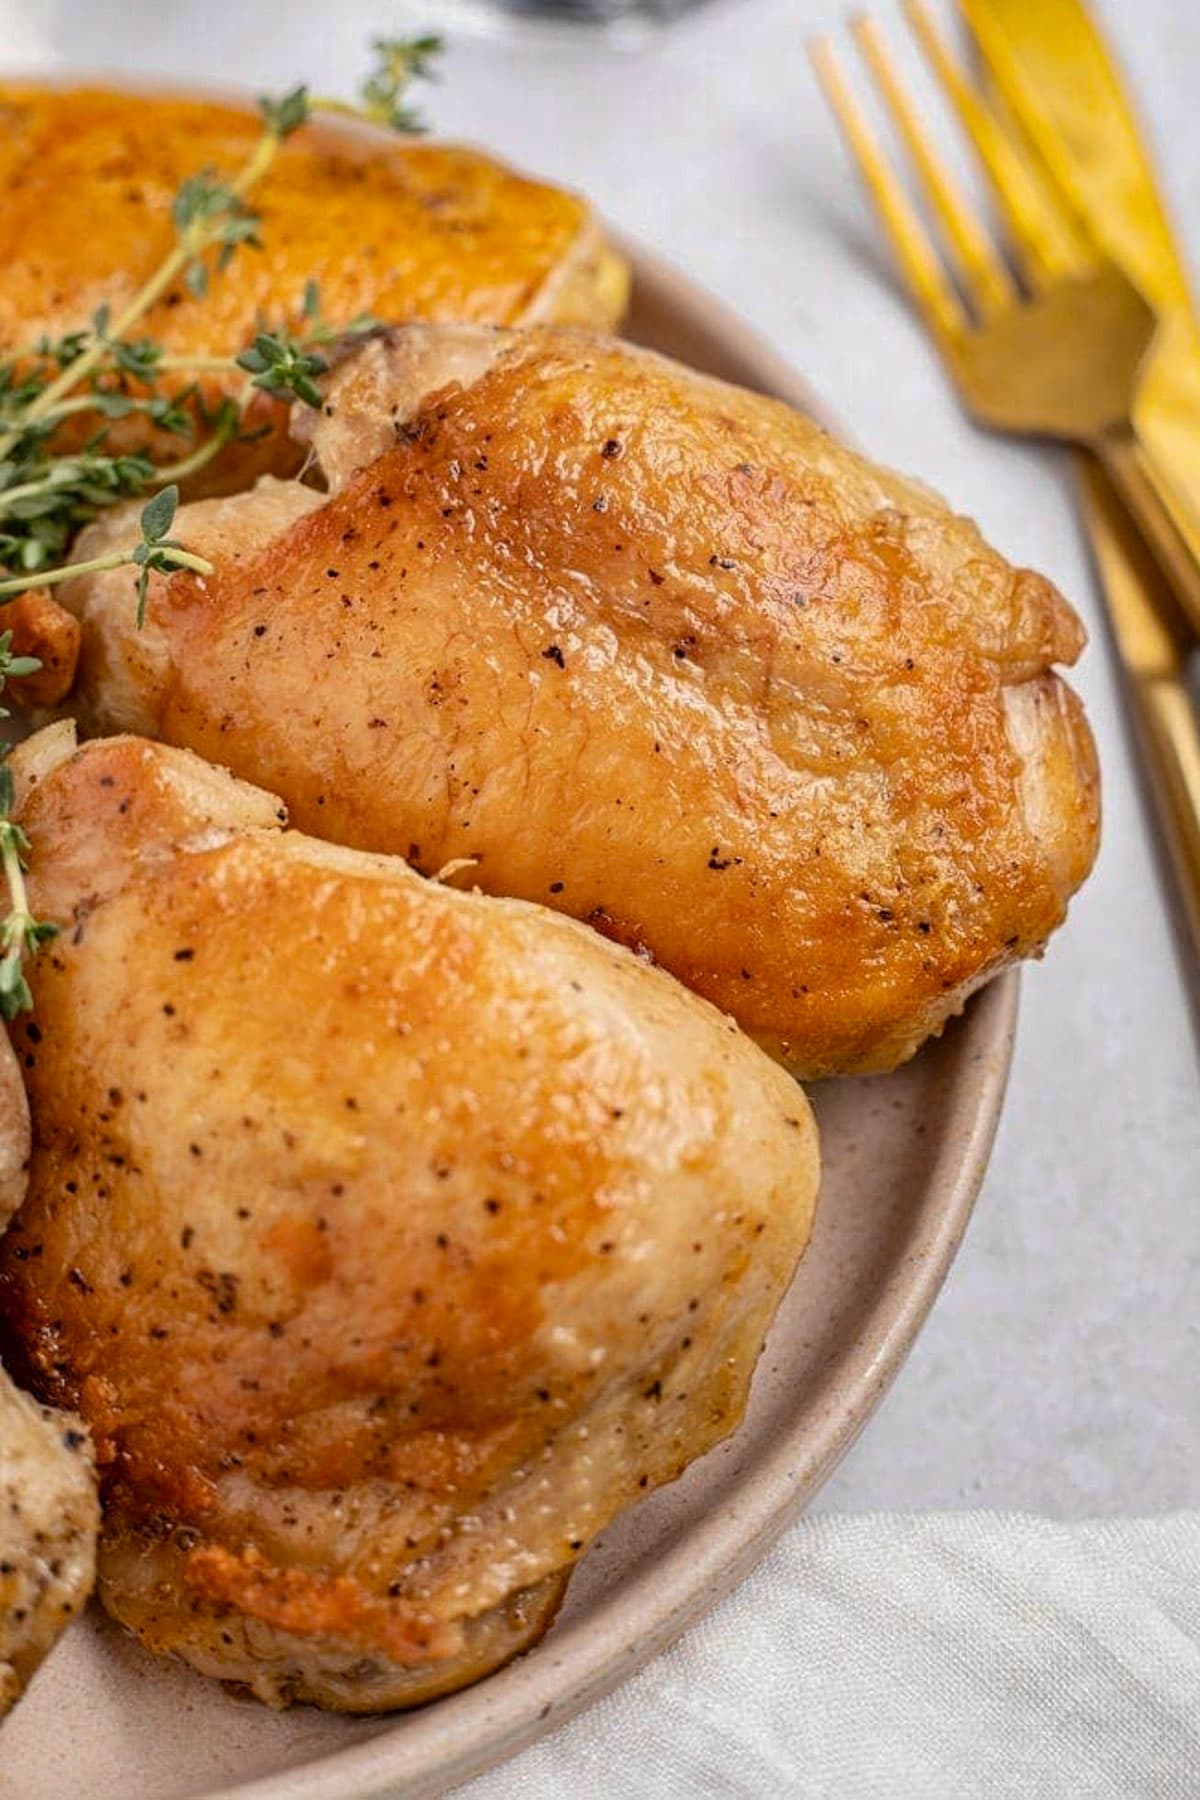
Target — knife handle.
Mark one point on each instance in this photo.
(1152, 641)
(1171, 736)
(1134, 476)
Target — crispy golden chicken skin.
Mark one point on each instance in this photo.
(652, 650)
(389, 1238)
(395, 227)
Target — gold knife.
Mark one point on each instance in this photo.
(1065, 88)
(1060, 83)
(1153, 642)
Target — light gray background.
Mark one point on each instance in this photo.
(1059, 1369)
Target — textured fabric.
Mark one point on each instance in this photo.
(924, 1657)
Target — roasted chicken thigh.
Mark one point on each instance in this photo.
(398, 228)
(651, 650)
(389, 1238)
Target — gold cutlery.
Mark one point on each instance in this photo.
(1059, 356)
(1153, 645)
(1053, 71)
(1058, 263)
(1048, 65)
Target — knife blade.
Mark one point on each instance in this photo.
(1058, 79)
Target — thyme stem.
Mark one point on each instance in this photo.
(97, 565)
(14, 873)
(193, 240)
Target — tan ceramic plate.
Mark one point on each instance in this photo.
(903, 1158)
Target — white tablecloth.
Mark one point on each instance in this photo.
(929, 1657)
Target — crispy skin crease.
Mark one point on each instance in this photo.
(656, 652)
(304, 1604)
(390, 1239)
(401, 229)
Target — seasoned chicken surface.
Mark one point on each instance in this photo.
(49, 1517)
(653, 651)
(398, 228)
(389, 1238)
(49, 1511)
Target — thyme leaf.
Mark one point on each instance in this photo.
(399, 62)
(21, 934)
(109, 372)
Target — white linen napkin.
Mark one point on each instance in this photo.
(941, 1656)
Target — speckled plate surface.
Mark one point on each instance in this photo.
(903, 1158)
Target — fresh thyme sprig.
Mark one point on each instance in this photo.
(107, 373)
(154, 551)
(399, 62)
(157, 551)
(207, 214)
(21, 934)
(279, 363)
(46, 497)
(45, 501)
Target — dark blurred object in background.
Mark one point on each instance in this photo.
(588, 12)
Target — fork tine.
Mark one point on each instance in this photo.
(1048, 242)
(985, 277)
(919, 262)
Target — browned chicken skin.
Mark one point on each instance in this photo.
(389, 1238)
(395, 227)
(651, 650)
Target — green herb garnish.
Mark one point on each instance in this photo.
(20, 934)
(106, 372)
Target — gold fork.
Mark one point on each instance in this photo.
(1059, 356)
(1050, 244)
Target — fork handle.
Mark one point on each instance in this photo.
(1136, 479)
